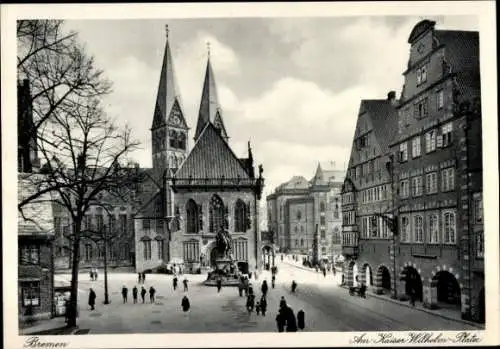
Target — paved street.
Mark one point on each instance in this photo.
(328, 307)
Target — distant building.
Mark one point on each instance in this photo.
(36, 261)
(298, 206)
(198, 192)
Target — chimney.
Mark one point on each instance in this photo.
(391, 97)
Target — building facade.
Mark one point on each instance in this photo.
(200, 191)
(299, 208)
(367, 198)
(435, 166)
(438, 171)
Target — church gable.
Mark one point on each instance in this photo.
(211, 158)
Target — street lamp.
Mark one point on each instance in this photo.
(106, 294)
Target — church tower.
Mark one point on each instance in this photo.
(169, 129)
(210, 110)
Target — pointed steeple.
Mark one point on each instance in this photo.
(167, 88)
(318, 177)
(210, 110)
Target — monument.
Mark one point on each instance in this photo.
(222, 261)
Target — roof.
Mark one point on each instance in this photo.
(384, 120)
(211, 158)
(324, 177)
(296, 182)
(167, 90)
(209, 104)
(37, 216)
(462, 54)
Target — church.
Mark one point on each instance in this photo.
(192, 194)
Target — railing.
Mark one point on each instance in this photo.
(217, 181)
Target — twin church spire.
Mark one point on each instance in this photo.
(168, 109)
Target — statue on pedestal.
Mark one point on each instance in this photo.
(223, 243)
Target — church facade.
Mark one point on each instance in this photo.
(196, 193)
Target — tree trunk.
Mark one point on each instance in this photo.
(73, 309)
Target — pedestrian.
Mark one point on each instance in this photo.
(282, 302)
(124, 294)
(263, 305)
(96, 273)
(250, 303)
(291, 323)
(219, 284)
(143, 277)
(91, 273)
(280, 322)
(185, 283)
(92, 297)
(175, 281)
(301, 319)
(273, 281)
(294, 286)
(152, 292)
(324, 272)
(139, 278)
(185, 303)
(250, 289)
(257, 308)
(134, 294)
(412, 297)
(241, 286)
(264, 288)
(143, 293)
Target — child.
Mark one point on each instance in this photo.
(257, 308)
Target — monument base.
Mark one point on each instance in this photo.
(226, 271)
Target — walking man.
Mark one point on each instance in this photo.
(250, 303)
(139, 278)
(92, 297)
(185, 303)
(124, 294)
(175, 280)
(324, 272)
(264, 288)
(152, 292)
(143, 293)
(219, 284)
(263, 305)
(134, 294)
(185, 283)
(273, 281)
(143, 277)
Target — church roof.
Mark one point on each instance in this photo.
(167, 90)
(325, 175)
(210, 110)
(211, 158)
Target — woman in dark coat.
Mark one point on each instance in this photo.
(250, 303)
(280, 322)
(143, 293)
(185, 304)
(263, 305)
(92, 297)
(152, 292)
(301, 319)
(264, 288)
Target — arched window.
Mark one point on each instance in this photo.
(240, 216)
(296, 230)
(172, 137)
(192, 220)
(418, 228)
(217, 214)
(301, 242)
(405, 225)
(181, 141)
(449, 227)
(433, 229)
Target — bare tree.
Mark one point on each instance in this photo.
(57, 67)
(82, 150)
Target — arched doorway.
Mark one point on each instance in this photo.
(448, 289)
(355, 275)
(413, 282)
(385, 279)
(481, 316)
(367, 275)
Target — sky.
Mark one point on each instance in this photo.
(290, 86)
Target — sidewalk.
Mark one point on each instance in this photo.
(449, 314)
(52, 326)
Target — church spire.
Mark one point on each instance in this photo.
(167, 88)
(210, 110)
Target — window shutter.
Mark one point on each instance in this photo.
(439, 141)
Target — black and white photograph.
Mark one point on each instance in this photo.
(186, 170)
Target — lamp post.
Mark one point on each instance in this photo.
(106, 294)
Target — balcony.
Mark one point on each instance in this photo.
(350, 243)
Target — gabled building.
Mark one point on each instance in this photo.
(438, 172)
(198, 192)
(367, 197)
(298, 207)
